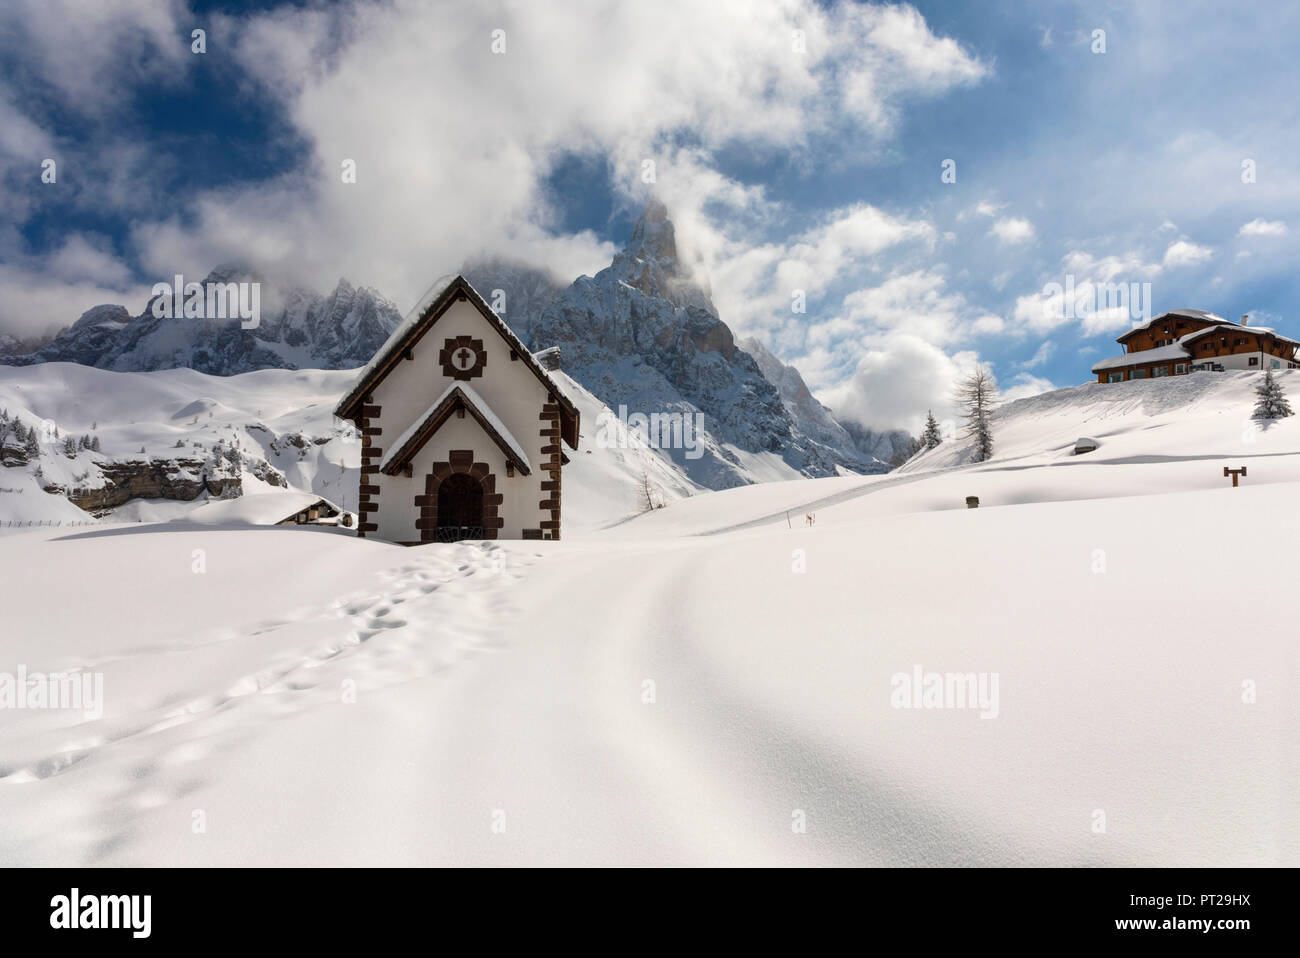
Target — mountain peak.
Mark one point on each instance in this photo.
(653, 238)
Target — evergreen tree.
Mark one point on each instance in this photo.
(931, 437)
(94, 444)
(978, 395)
(1271, 402)
(70, 447)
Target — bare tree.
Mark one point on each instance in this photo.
(977, 394)
(649, 502)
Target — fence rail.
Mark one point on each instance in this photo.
(47, 523)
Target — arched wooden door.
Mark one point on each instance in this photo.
(460, 508)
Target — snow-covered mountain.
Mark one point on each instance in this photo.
(817, 422)
(77, 442)
(643, 333)
(298, 329)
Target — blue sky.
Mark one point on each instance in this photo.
(792, 162)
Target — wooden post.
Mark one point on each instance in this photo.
(972, 502)
(1234, 473)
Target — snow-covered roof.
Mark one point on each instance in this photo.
(425, 425)
(1200, 314)
(1236, 329)
(403, 330)
(416, 323)
(1181, 349)
(258, 509)
(1174, 351)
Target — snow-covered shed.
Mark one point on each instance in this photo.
(461, 429)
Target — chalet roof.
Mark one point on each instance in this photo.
(456, 396)
(419, 321)
(1181, 349)
(1201, 314)
(1237, 328)
(1174, 351)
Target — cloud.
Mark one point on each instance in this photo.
(1041, 355)
(627, 82)
(1011, 230)
(1101, 293)
(754, 283)
(897, 377)
(1025, 385)
(1183, 253)
(77, 50)
(1262, 227)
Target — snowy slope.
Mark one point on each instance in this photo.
(416, 671)
(712, 672)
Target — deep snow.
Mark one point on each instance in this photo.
(313, 698)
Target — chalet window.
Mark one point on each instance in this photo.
(1158, 371)
(1165, 330)
(1207, 347)
(1275, 364)
(1241, 341)
(1139, 374)
(1180, 369)
(1253, 361)
(1115, 378)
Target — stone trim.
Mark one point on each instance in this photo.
(550, 434)
(459, 461)
(368, 487)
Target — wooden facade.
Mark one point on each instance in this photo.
(1175, 344)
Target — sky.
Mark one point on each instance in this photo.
(884, 194)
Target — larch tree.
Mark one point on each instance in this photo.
(977, 394)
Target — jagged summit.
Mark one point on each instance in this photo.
(296, 329)
(649, 262)
(644, 334)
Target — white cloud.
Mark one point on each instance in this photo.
(1262, 227)
(618, 80)
(1184, 253)
(77, 48)
(1026, 385)
(1105, 293)
(896, 377)
(753, 284)
(1012, 229)
(1041, 355)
